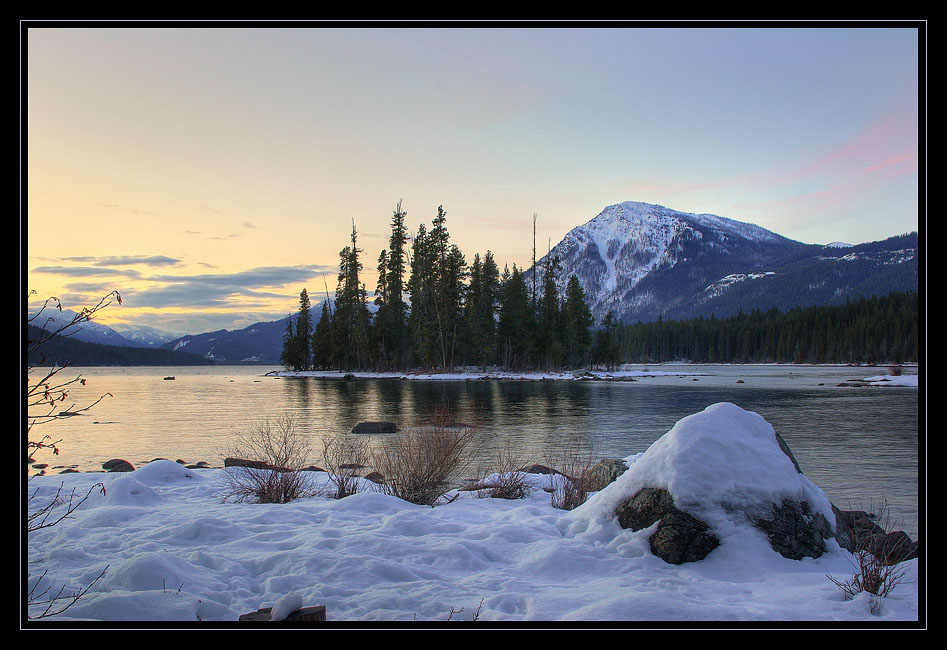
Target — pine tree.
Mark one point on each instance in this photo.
(350, 325)
(577, 323)
(303, 346)
(516, 328)
(322, 340)
(548, 334)
(288, 355)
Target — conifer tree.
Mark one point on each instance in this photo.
(517, 324)
(303, 346)
(350, 325)
(322, 340)
(577, 322)
(548, 346)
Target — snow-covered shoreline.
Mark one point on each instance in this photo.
(176, 553)
(904, 380)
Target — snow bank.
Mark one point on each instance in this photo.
(175, 552)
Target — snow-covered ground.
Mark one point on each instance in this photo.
(176, 552)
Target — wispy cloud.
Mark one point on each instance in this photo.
(85, 271)
(124, 260)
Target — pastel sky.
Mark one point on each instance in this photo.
(210, 173)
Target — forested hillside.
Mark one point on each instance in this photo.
(868, 330)
(63, 350)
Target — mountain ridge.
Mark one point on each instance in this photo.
(642, 261)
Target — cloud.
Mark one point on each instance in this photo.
(85, 271)
(244, 290)
(124, 260)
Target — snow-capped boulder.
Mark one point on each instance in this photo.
(719, 474)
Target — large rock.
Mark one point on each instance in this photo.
(793, 531)
(679, 537)
(603, 473)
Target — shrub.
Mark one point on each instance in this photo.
(877, 569)
(572, 482)
(279, 453)
(509, 481)
(420, 463)
(344, 457)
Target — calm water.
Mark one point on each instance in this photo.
(860, 445)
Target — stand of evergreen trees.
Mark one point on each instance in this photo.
(875, 330)
(460, 313)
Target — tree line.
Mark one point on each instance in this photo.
(872, 330)
(460, 313)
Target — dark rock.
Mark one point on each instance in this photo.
(892, 548)
(679, 537)
(253, 464)
(40, 465)
(793, 531)
(69, 471)
(786, 450)
(375, 427)
(646, 507)
(312, 468)
(169, 378)
(118, 465)
(538, 469)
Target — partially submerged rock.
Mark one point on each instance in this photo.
(375, 427)
(118, 465)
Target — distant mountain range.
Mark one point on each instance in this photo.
(259, 343)
(642, 261)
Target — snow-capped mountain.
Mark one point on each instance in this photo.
(258, 343)
(641, 261)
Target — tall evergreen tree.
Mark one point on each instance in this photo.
(516, 327)
(576, 325)
(304, 332)
(548, 346)
(480, 309)
(350, 325)
(322, 340)
(288, 356)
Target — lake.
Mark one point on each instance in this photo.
(860, 445)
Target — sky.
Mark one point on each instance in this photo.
(209, 173)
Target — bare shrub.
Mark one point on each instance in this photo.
(507, 480)
(344, 457)
(278, 453)
(420, 463)
(876, 560)
(571, 483)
